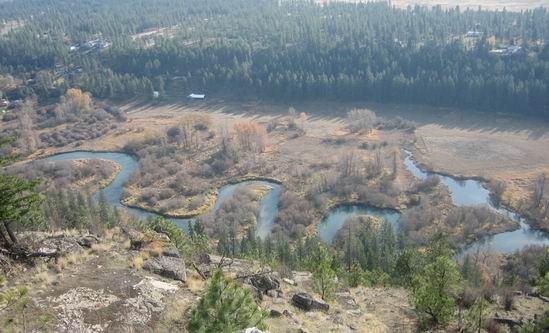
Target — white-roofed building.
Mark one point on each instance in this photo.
(196, 96)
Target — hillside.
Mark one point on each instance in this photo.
(102, 285)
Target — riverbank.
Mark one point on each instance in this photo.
(506, 205)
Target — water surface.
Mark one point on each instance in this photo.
(113, 192)
(336, 219)
(471, 192)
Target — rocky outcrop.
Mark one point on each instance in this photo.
(169, 267)
(507, 320)
(306, 302)
(264, 283)
(59, 244)
(171, 251)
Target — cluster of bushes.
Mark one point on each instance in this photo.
(184, 162)
(537, 208)
(236, 213)
(92, 126)
(356, 178)
(62, 174)
(462, 224)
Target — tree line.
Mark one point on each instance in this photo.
(295, 51)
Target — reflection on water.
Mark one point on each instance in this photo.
(464, 193)
(336, 219)
(471, 192)
(113, 192)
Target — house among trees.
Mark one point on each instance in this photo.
(196, 96)
(4, 103)
(509, 51)
(474, 34)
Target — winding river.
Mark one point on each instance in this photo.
(464, 193)
(335, 220)
(471, 192)
(113, 192)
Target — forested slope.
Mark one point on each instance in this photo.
(296, 51)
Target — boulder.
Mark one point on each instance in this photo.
(171, 251)
(275, 313)
(88, 241)
(543, 298)
(507, 320)
(256, 294)
(289, 281)
(251, 330)
(60, 244)
(292, 316)
(136, 244)
(306, 302)
(204, 258)
(265, 282)
(169, 267)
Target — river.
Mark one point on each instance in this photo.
(464, 193)
(268, 209)
(470, 192)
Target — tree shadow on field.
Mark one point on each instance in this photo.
(448, 118)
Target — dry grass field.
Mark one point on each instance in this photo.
(506, 148)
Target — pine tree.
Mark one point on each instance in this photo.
(435, 287)
(320, 264)
(19, 205)
(226, 307)
(476, 314)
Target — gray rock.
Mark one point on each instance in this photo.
(507, 320)
(169, 267)
(543, 298)
(88, 241)
(306, 302)
(136, 244)
(59, 244)
(265, 282)
(289, 281)
(160, 234)
(171, 251)
(251, 330)
(275, 313)
(292, 316)
(256, 294)
(204, 258)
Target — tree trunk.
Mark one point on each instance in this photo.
(3, 238)
(10, 232)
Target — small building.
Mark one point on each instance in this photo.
(156, 94)
(196, 96)
(4, 103)
(474, 34)
(509, 51)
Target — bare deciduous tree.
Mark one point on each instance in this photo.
(539, 190)
(73, 104)
(361, 120)
(251, 136)
(27, 137)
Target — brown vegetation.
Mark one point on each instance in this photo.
(73, 120)
(82, 175)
